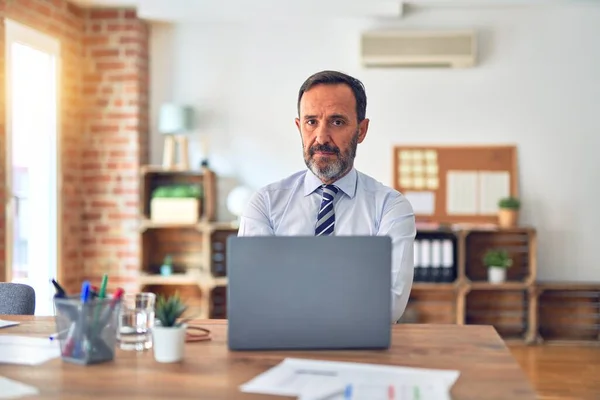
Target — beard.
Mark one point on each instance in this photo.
(338, 164)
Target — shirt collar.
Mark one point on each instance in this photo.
(346, 184)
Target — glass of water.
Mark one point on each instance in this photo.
(136, 320)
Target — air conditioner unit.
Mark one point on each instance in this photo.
(448, 49)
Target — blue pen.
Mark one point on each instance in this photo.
(348, 393)
(85, 296)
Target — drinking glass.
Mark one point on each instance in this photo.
(136, 320)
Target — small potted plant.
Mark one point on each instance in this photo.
(166, 268)
(168, 333)
(508, 212)
(497, 261)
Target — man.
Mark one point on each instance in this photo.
(332, 197)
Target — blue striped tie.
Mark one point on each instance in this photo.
(326, 219)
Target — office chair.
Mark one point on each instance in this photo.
(16, 299)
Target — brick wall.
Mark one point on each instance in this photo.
(65, 22)
(104, 134)
(115, 87)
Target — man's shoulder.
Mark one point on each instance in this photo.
(286, 183)
(371, 184)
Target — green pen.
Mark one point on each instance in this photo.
(102, 293)
(416, 393)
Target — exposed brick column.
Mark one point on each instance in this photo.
(115, 89)
(65, 22)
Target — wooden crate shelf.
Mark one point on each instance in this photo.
(218, 302)
(153, 177)
(507, 310)
(430, 258)
(184, 245)
(431, 306)
(520, 244)
(569, 313)
(218, 246)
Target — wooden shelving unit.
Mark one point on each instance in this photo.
(195, 248)
(569, 313)
(462, 293)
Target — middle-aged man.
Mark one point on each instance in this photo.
(332, 197)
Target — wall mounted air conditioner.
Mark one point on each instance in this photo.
(448, 49)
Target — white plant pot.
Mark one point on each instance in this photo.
(496, 274)
(168, 343)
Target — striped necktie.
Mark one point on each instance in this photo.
(326, 218)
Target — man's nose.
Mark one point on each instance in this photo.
(323, 135)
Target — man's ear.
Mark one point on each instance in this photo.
(298, 124)
(363, 127)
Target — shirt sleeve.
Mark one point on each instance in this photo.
(398, 222)
(255, 220)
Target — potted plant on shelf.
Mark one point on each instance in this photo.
(497, 261)
(508, 212)
(166, 268)
(180, 203)
(168, 334)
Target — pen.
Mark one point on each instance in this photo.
(60, 292)
(85, 295)
(348, 393)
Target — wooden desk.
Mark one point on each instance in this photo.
(211, 371)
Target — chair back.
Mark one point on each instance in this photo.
(16, 299)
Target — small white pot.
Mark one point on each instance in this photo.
(168, 343)
(496, 274)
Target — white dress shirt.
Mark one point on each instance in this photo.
(363, 206)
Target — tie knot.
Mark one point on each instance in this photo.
(330, 190)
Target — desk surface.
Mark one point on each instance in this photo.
(211, 371)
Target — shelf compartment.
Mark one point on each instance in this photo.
(432, 263)
(153, 177)
(520, 245)
(506, 310)
(569, 314)
(427, 306)
(185, 245)
(218, 302)
(218, 256)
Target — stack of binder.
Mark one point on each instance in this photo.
(434, 260)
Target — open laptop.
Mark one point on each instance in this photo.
(305, 292)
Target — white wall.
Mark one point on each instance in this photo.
(537, 86)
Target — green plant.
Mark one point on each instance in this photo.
(497, 258)
(178, 191)
(510, 203)
(168, 309)
(168, 260)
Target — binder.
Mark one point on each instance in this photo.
(448, 267)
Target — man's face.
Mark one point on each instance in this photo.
(330, 131)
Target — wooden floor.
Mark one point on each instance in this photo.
(561, 372)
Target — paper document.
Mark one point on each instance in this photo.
(332, 380)
(10, 389)
(6, 324)
(27, 350)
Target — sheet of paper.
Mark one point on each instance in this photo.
(493, 186)
(11, 389)
(6, 324)
(423, 203)
(27, 350)
(461, 192)
(315, 379)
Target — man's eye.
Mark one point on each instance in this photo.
(311, 122)
(338, 122)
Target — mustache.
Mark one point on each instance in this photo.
(325, 148)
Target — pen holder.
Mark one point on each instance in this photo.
(87, 331)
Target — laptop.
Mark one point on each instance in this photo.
(309, 293)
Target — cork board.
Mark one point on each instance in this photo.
(455, 184)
